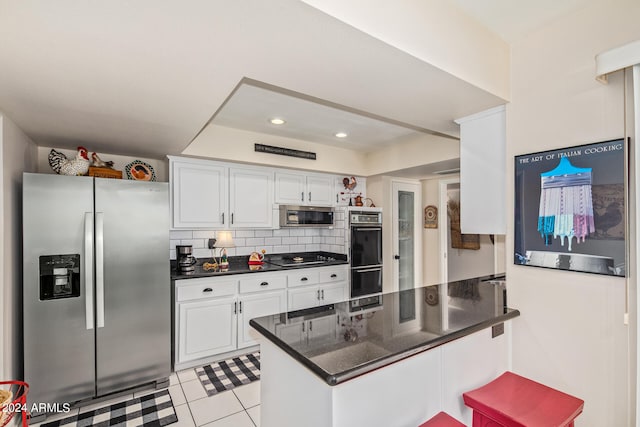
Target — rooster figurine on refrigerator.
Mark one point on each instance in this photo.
(63, 166)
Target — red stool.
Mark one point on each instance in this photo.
(514, 401)
(442, 419)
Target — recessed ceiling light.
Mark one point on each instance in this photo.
(341, 135)
(277, 121)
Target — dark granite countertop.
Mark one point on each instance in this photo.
(354, 337)
(240, 265)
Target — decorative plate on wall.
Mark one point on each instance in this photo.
(431, 217)
(140, 171)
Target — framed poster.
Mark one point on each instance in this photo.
(570, 208)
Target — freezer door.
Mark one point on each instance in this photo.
(133, 288)
(58, 325)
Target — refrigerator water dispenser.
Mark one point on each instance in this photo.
(59, 276)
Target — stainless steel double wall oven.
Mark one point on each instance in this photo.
(366, 252)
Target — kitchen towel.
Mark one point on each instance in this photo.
(230, 373)
(152, 410)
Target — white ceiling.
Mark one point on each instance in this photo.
(143, 78)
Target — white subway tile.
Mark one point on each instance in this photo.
(245, 250)
(281, 249)
(196, 243)
(317, 239)
(340, 224)
(240, 241)
(230, 252)
(172, 254)
(256, 241)
(305, 240)
(202, 253)
(204, 234)
(180, 234)
(296, 248)
(296, 232)
(173, 243)
(245, 233)
(311, 248)
(312, 231)
(282, 232)
(273, 241)
(289, 240)
(264, 233)
(268, 249)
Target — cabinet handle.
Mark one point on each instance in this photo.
(264, 284)
(207, 290)
(303, 279)
(322, 291)
(334, 275)
(318, 291)
(310, 325)
(302, 196)
(222, 217)
(302, 326)
(231, 218)
(309, 195)
(235, 308)
(240, 306)
(336, 197)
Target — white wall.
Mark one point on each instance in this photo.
(571, 334)
(18, 154)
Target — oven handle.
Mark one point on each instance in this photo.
(367, 229)
(369, 270)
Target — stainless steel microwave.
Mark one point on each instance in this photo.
(306, 216)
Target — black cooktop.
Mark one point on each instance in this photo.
(291, 260)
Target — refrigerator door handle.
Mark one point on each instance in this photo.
(100, 269)
(88, 269)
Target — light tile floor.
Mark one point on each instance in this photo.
(238, 407)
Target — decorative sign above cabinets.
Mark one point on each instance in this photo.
(261, 148)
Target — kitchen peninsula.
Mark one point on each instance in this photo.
(395, 359)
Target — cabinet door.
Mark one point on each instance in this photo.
(334, 292)
(257, 305)
(303, 297)
(250, 198)
(320, 190)
(198, 195)
(206, 328)
(290, 188)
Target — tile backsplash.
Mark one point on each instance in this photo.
(273, 241)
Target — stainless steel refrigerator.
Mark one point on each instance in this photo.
(96, 286)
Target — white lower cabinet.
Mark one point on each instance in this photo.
(197, 336)
(313, 287)
(257, 305)
(212, 314)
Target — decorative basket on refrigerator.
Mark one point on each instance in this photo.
(12, 401)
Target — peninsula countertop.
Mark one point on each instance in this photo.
(341, 341)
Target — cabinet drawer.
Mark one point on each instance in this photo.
(337, 274)
(204, 288)
(303, 277)
(262, 282)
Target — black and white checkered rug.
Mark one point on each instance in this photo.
(227, 374)
(151, 410)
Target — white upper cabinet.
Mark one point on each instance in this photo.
(297, 188)
(250, 197)
(198, 194)
(483, 172)
(290, 188)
